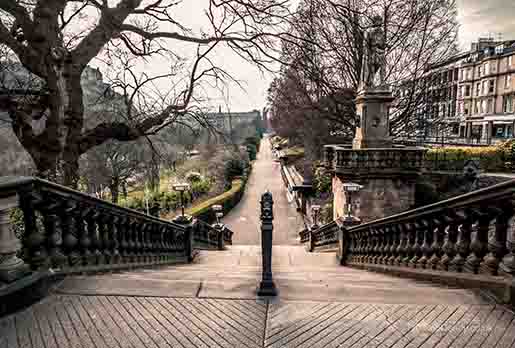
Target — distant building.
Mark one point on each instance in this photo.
(225, 121)
(470, 95)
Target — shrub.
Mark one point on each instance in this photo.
(252, 151)
(491, 158)
(227, 200)
(193, 177)
(233, 168)
(322, 181)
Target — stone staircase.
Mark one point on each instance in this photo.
(299, 275)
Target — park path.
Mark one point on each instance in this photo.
(244, 218)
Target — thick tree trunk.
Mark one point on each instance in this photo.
(114, 187)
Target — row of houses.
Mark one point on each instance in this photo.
(471, 95)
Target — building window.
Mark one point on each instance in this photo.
(487, 68)
(477, 107)
(483, 88)
(491, 86)
(479, 71)
(467, 91)
(490, 106)
(507, 104)
(478, 89)
(507, 81)
(499, 49)
(483, 107)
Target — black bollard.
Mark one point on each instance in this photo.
(267, 286)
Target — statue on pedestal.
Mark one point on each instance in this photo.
(374, 58)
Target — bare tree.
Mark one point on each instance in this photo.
(326, 65)
(52, 43)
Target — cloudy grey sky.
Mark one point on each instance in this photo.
(484, 17)
(476, 17)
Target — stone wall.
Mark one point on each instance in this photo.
(380, 197)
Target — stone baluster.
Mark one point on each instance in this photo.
(131, 242)
(123, 231)
(110, 236)
(91, 218)
(365, 245)
(162, 238)
(116, 226)
(102, 241)
(147, 251)
(152, 238)
(463, 244)
(385, 250)
(449, 245)
(416, 248)
(83, 236)
(372, 245)
(438, 239)
(53, 234)
(427, 241)
(71, 219)
(11, 266)
(395, 233)
(33, 238)
(167, 234)
(497, 244)
(138, 241)
(401, 248)
(479, 246)
(376, 251)
(507, 265)
(410, 231)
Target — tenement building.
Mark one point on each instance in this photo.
(470, 95)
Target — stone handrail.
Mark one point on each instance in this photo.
(472, 233)
(322, 237)
(64, 231)
(385, 161)
(206, 236)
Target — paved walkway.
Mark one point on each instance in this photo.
(244, 218)
(212, 303)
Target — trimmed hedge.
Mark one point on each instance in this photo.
(491, 158)
(227, 200)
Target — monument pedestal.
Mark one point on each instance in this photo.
(388, 175)
(372, 107)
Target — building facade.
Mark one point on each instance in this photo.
(486, 92)
(471, 95)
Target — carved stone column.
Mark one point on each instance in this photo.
(11, 267)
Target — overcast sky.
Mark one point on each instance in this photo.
(477, 18)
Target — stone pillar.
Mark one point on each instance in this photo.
(267, 286)
(11, 267)
(188, 223)
(372, 107)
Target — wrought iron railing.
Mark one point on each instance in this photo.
(47, 227)
(474, 233)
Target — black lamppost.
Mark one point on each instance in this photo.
(315, 210)
(218, 209)
(181, 188)
(349, 189)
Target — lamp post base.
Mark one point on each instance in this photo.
(267, 288)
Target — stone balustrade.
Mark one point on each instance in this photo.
(385, 161)
(64, 231)
(471, 233)
(322, 237)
